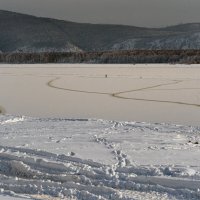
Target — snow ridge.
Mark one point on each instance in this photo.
(66, 178)
(48, 171)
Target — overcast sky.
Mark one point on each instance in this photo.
(151, 13)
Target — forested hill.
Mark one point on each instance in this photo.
(119, 57)
(25, 33)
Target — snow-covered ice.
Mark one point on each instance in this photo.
(55, 158)
(58, 150)
(151, 93)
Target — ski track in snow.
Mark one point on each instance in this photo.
(43, 159)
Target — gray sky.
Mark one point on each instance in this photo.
(151, 13)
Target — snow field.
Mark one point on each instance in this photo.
(36, 163)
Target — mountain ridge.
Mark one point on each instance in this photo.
(27, 33)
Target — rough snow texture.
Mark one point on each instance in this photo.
(97, 159)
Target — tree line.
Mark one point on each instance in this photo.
(118, 57)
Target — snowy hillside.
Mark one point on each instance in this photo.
(185, 41)
(67, 48)
(20, 32)
(97, 159)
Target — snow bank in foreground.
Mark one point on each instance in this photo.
(97, 159)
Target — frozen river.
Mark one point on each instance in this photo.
(150, 93)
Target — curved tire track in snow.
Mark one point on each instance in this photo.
(158, 101)
(51, 84)
(119, 96)
(148, 87)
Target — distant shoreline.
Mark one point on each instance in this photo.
(105, 57)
